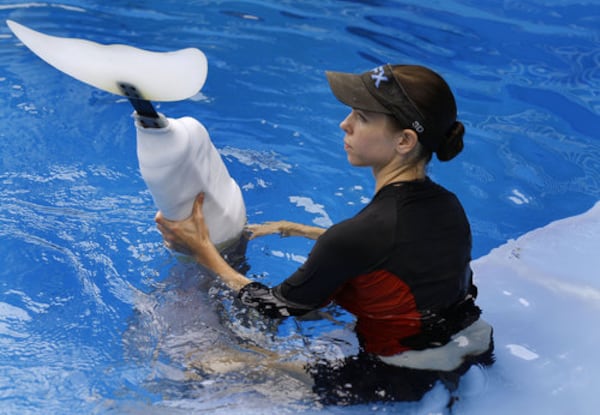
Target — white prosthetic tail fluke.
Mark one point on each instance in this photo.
(159, 76)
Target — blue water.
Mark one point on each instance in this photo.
(96, 317)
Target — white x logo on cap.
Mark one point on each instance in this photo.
(378, 76)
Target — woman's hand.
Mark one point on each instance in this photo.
(189, 236)
(284, 228)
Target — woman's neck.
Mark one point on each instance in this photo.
(384, 177)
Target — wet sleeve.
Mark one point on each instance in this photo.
(267, 302)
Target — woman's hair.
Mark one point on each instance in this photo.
(435, 101)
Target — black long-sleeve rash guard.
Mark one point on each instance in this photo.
(398, 265)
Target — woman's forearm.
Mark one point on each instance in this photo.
(285, 228)
(210, 258)
(298, 229)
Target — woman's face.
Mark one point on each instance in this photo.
(370, 139)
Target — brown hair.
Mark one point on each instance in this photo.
(435, 101)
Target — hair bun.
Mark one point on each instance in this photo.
(452, 144)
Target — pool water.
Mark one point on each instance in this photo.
(97, 317)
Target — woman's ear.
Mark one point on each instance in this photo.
(407, 140)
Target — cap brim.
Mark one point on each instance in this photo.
(351, 90)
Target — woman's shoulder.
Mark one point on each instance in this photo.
(376, 222)
(425, 190)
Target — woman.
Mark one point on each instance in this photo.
(401, 265)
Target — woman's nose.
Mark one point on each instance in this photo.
(345, 124)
